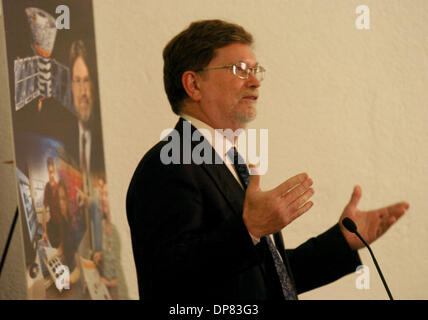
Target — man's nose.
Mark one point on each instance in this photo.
(84, 89)
(252, 80)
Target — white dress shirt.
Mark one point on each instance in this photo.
(87, 133)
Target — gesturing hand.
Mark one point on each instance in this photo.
(370, 224)
(267, 212)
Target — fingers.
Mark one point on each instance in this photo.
(356, 196)
(392, 220)
(389, 215)
(298, 190)
(302, 199)
(295, 202)
(290, 183)
(254, 183)
(302, 210)
(396, 210)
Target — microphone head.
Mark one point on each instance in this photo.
(349, 225)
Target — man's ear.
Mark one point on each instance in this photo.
(190, 81)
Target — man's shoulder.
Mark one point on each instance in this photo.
(161, 154)
(152, 168)
(177, 156)
(152, 158)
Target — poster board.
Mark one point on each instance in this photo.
(59, 150)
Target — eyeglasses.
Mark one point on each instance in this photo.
(242, 70)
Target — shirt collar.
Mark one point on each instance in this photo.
(220, 148)
(84, 131)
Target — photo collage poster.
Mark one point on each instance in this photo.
(72, 248)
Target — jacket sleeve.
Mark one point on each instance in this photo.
(322, 260)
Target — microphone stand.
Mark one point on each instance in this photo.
(377, 266)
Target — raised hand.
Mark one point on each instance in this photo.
(370, 224)
(267, 212)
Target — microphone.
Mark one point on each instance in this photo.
(351, 227)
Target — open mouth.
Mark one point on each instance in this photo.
(251, 97)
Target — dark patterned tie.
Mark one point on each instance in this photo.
(244, 176)
(83, 164)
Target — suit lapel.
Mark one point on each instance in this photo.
(219, 173)
(227, 185)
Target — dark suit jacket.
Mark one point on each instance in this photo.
(190, 242)
(72, 142)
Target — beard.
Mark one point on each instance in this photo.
(85, 110)
(244, 116)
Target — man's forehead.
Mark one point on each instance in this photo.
(234, 52)
(80, 67)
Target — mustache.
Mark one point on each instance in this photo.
(84, 99)
(250, 93)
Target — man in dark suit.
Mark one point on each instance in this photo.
(204, 229)
(87, 143)
(85, 136)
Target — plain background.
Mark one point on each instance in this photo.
(347, 106)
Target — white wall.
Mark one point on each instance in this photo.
(347, 106)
